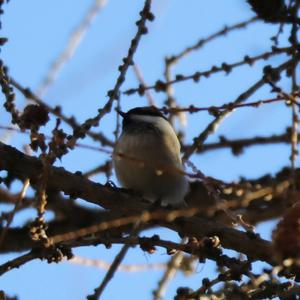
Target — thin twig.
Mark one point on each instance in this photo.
(224, 67)
(114, 266)
(149, 244)
(57, 112)
(114, 94)
(17, 262)
(295, 88)
(73, 42)
(80, 145)
(170, 102)
(139, 76)
(169, 273)
(211, 128)
(118, 120)
(144, 217)
(122, 267)
(174, 59)
(238, 144)
(18, 202)
(109, 275)
(226, 276)
(103, 168)
(228, 106)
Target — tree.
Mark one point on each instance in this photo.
(222, 214)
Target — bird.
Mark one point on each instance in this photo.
(147, 158)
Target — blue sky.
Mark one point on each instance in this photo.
(38, 31)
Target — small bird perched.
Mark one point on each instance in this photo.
(147, 157)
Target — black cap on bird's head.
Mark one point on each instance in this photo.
(135, 116)
(142, 111)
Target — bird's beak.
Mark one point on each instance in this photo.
(121, 113)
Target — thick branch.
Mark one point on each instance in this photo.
(23, 166)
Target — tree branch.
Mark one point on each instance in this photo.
(22, 166)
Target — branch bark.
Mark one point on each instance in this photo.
(23, 166)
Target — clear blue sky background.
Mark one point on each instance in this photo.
(38, 31)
